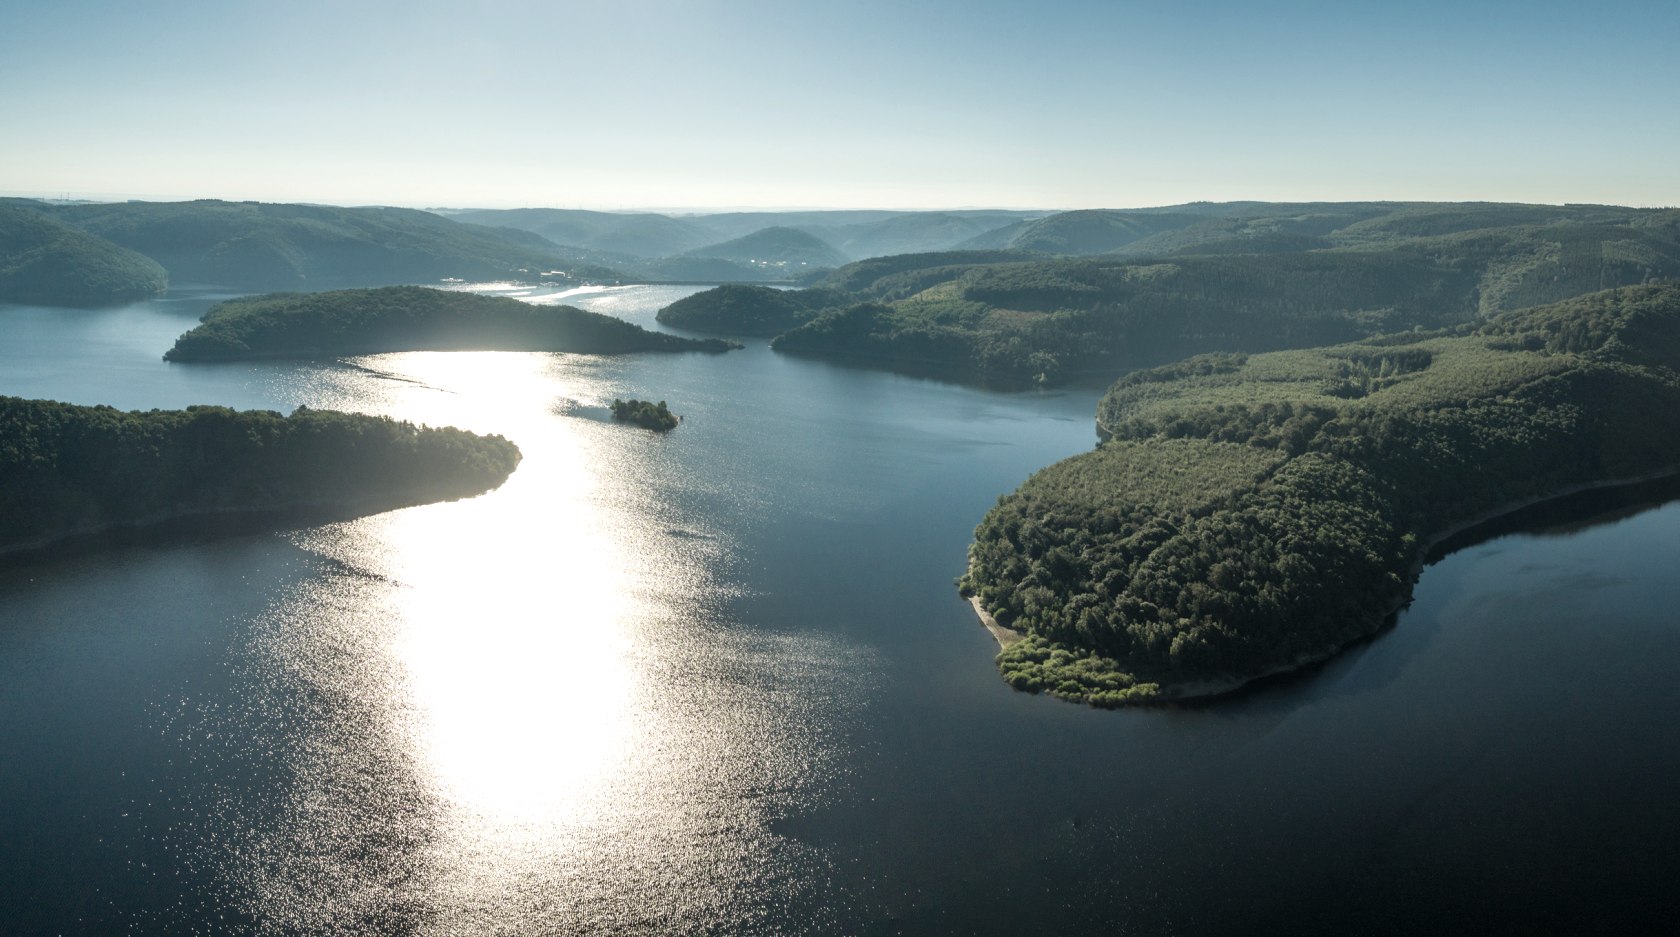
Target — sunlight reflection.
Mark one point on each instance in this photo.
(516, 603)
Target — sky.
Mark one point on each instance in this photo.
(705, 104)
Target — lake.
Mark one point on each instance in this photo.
(719, 681)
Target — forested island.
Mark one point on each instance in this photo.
(646, 414)
(69, 472)
(410, 318)
(1247, 514)
(46, 262)
(1141, 288)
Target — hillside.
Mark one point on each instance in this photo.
(916, 232)
(68, 472)
(1257, 279)
(409, 318)
(46, 262)
(1248, 514)
(639, 234)
(1094, 231)
(259, 246)
(780, 247)
(906, 274)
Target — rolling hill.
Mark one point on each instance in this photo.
(261, 246)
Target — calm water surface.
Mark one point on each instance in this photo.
(718, 681)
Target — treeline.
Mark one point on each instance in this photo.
(67, 471)
(410, 318)
(44, 261)
(1249, 513)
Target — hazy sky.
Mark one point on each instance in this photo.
(840, 104)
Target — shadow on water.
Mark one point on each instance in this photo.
(1558, 518)
(197, 530)
(960, 374)
(1562, 517)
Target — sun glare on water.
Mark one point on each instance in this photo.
(515, 604)
(530, 702)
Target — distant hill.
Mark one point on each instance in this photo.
(1230, 277)
(904, 274)
(260, 246)
(637, 235)
(917, 232)
(730, 225)
(640, 241)
(47, 262)
(1432, 220)
(1082, 232)
(410, 318)
(777, 247)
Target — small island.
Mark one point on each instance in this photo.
(1248, 515)
(410, 318)
(68, 473)
(646, 414)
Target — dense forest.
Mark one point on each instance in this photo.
(1247, 513)
(1194, 279)
(410, 318)
(69, 471)
(646, 414)
(46, 262)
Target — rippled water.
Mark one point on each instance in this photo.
(719, 681)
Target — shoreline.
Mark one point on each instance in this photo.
(1005, 636)
(1212, 688)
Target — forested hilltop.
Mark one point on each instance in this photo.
(69, 471)
(410, 318)
(1247, 514)
(46, 262)
(1143, 288)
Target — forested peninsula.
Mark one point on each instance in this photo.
(742, 309)
(1246, 515)
(69, 472)
(410, 318)
(1141, 288)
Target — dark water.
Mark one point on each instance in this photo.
(719, 682)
